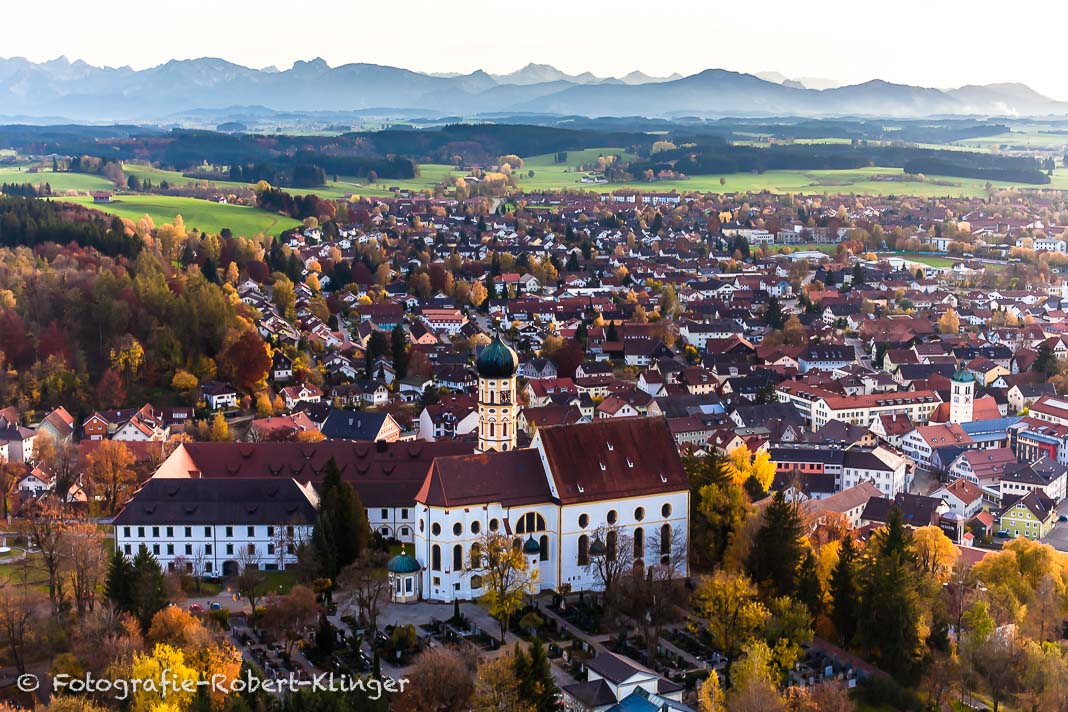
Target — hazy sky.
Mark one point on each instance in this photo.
(936, 43)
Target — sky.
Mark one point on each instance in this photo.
(934, 43)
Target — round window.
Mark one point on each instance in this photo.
(457, 529)
(612, 516)
(435, 529)
(493, 525)
(475, 527)
(584, 520)
(666, 510)
(639, 514)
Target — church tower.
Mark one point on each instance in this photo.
(497, 402)
(961, 404)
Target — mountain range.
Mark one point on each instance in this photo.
(79, 91)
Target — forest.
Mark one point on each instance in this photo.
(717, 157)
(93, 313)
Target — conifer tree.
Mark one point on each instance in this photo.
(777, 549)
(149, 589)
(120, 576)
(844, 592)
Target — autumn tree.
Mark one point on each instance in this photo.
(21, 609)
(245, 361)
(497, 687)
(445, 684)
(754, 684)
(86, 562)
(58, 458)
(710, 696)
(749, 470)
(127, 357)
(184, 382)
(109, 474)
(506, 577)
(935, 552)
(219, 431)
(110, 390)
(43, 525)
(730, 607)
(290, 614)
(949, 323)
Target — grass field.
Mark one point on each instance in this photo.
(60, 182)
(201, 214)
(1034, 138)
(863, 181)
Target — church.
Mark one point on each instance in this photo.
(574, 485)
(617, 476)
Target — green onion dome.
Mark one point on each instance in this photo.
(497, 360)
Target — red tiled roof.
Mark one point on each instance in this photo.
(612, 459)
(384, 474)
(512, 478)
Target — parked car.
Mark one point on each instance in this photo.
(196, 608)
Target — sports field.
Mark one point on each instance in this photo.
(201, 214)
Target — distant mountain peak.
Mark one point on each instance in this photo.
(318, 64)
(82, 92)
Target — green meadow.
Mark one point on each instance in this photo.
(201, 214)
(863, 181)
(60, 182)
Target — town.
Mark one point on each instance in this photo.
(606, 451)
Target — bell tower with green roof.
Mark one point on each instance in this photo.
(962, 396)
(498, 406)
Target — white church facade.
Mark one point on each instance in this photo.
(619, 479)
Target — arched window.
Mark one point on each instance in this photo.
(611, 540)
(543, 548)
(476, 556)
(639, 543)
(665, 540)
(584, 550)
(435, 558)
(529, 523)
(457, 557)
(476, 581)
